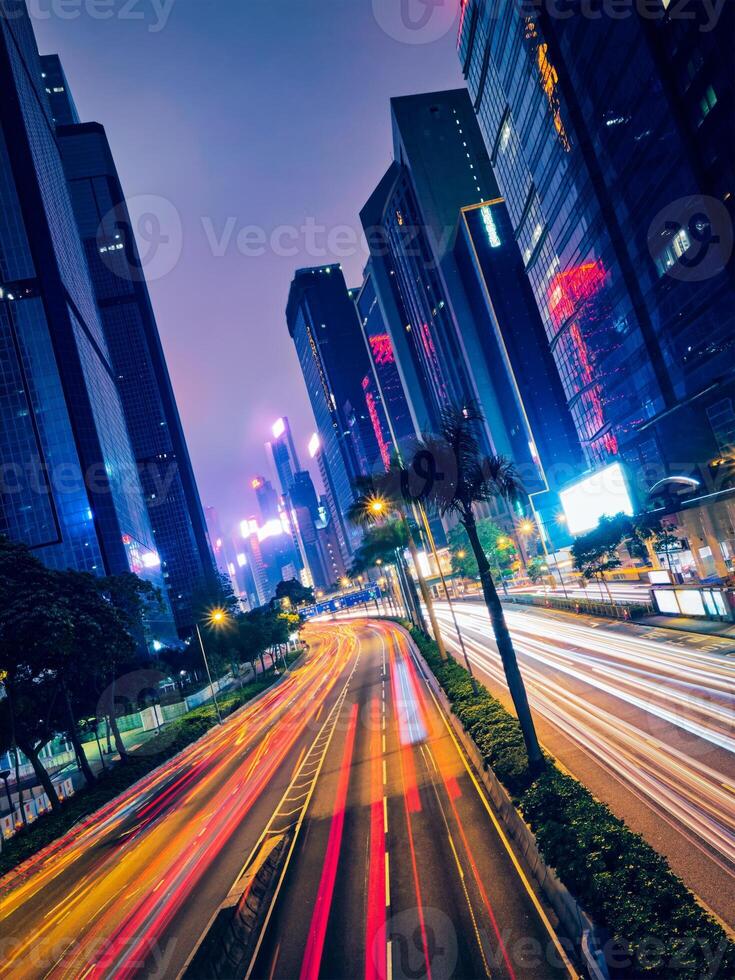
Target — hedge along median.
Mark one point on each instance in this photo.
(656, 926)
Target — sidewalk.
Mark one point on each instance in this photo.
(133, 739)
(707, 627)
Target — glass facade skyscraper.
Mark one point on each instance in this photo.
(422, 223)
(71, 489)
(384, 393)
(603, 183)
(139, 365)
(285, 457)
(323, 323)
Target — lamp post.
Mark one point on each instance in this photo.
(432, 545)
(217, 618)
(528, 526)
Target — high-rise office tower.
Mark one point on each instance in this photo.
(618, 185)
(384, 392)
(285, 457)
(306, 519)
(137, 360)
(75, 496)
(267, 499)
(460, 326)
(63, 109)
(323, 323)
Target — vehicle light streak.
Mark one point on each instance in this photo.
(135, 862)
(377, 889)
(658, 717)
(317, 933)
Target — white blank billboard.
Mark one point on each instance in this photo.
(603, 494)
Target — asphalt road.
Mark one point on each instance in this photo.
(398, 863)
(644, 717)
(128, 892)
(400, 870)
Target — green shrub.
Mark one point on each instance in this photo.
(622, 882)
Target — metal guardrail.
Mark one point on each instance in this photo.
(608, 610)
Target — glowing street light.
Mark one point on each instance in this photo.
(216, 619)
(527, 527)
(377, 506)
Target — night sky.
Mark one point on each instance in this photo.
(243, 113)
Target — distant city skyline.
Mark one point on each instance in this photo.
(229, 162)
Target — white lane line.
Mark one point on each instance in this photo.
(387, 879)
(385, 814)
(385, 774)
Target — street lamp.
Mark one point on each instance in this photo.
(528, 526)
(217, 618)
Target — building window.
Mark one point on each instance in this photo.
(708, 102)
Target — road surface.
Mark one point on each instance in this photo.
(398, 862)
(644, 717)
(402, 872)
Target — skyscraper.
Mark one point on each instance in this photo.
(384, 392)
(267, 499)
(63, 109)
(323, 323)
(71, 489)
(137, 360)
(618, 185)
(439, 229)
(285, 457)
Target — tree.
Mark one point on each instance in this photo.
(537, 570)
(499, 550)
(380, 499)
(596, 552)
(295, 592)
(462, 479)
(31, 692)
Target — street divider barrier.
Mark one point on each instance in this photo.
(231, 939)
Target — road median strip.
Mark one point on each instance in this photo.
(590, 866)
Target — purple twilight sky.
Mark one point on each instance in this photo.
(228, 114)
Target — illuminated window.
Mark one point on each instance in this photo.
(491, 228)
(505, 136)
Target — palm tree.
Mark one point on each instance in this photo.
(377, 497)
(461, 479)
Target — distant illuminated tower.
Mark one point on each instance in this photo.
(285, 457)
(324, 325)
(267, 498)
(335, 515)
